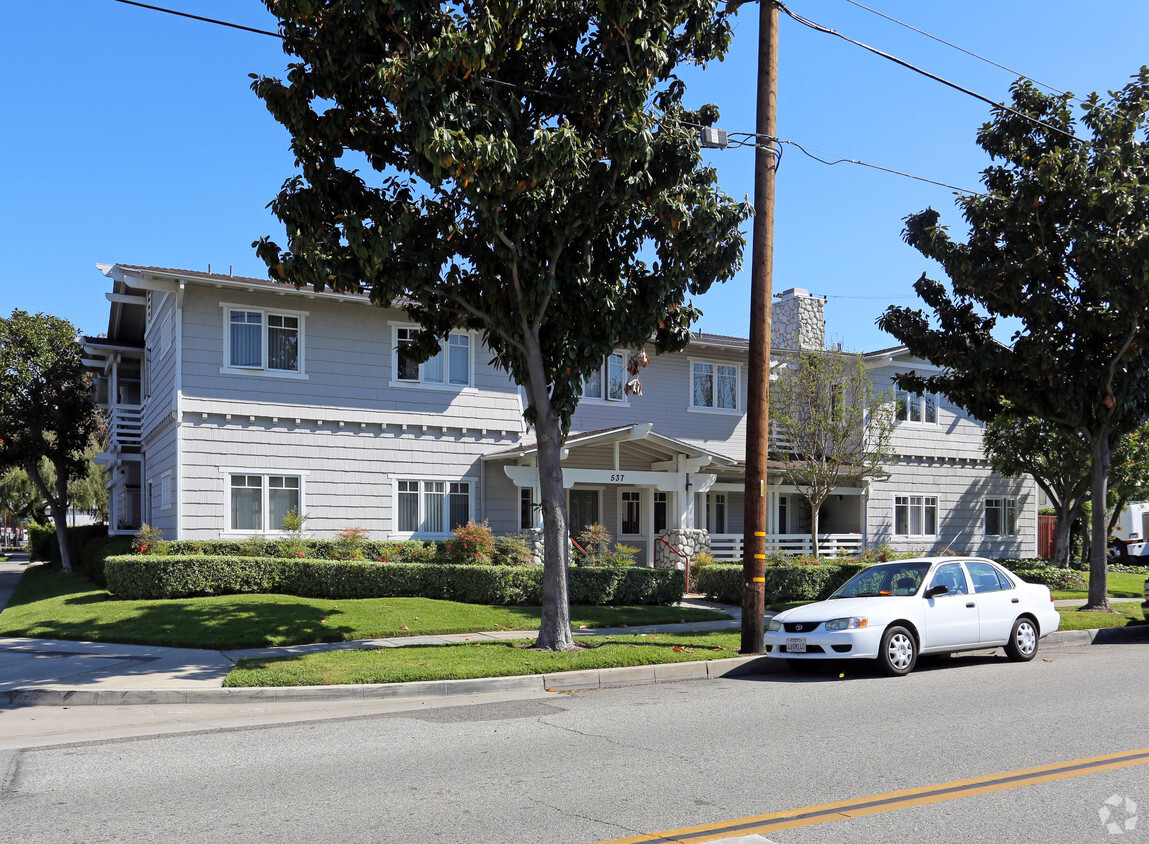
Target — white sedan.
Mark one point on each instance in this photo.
(894, 611)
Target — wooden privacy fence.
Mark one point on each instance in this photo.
(1046, 535)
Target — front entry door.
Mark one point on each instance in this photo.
(583, 509)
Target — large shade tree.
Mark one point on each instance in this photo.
(524, 170)
(1060, 244)
(47, 409)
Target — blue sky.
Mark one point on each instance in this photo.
(132, 136)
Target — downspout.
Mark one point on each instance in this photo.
(179, 368)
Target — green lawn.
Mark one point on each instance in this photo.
(480, 659)
(52, 605)
(1126, 613)
(1119, 586)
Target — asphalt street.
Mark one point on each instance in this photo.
(615, 763)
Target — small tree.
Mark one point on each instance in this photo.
(524, 170)
(1058, 459)
(47, 409)
(830, 422)
(1129, 474)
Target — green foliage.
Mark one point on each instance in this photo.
(256, 546)
(47, 405)
(96, 551)
(350, 543)
(595, 542)
(511, 551)
(474, 544)
(792, 581)
(293, 543)
(833, 425)
(1059, 244)
(150, 540)
(139, 577)
(40, 542)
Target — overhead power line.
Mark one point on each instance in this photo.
(825, 29)
(961, 49)
(217, 22)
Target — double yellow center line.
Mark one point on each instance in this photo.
(858, 807)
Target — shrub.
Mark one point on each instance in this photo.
(39, 542)
(96, 552)
(150, 540)
(294, 542)
(511, 551)
(350, 543)
(142, 577)
(255, 546)
(784, 583)
(474, 544)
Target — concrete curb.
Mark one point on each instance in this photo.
(566, 681)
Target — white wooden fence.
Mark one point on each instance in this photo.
(728, 546)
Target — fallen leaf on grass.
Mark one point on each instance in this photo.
(624, 625)
(404, 627)
(583, 627)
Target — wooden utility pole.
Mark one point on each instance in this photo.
(761, 293)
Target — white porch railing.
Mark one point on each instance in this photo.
(728, 546)
(126, 426)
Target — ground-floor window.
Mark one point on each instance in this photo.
(716, 512)
(916, 515)
(431, 506)
(631, 513)
(526, 508)
(259, 502)
(661, 512)
(1000, 517)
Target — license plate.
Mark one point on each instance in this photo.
(795, 646)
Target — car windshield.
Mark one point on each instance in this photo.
(880, 581)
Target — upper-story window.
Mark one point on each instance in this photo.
(608, 382)
(266, 341)
(450, 368)
(916, 407)
(714, 385)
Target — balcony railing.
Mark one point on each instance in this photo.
(728, 546)
(125, 426)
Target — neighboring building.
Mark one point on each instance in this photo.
(232, 400)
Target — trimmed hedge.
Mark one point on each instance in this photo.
(784, 583)
(508, 550)
(44, 546)
(142, 577)
(39, 543)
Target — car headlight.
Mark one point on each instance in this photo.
(775, 625)
(845, 623)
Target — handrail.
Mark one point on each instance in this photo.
(571, 539)
(685, 568)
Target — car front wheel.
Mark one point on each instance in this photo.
(899, 652)
(1022, 644)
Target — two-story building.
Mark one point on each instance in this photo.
(233, 400)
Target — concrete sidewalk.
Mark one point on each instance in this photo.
(55, 672)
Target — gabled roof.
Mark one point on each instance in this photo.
(636, 433)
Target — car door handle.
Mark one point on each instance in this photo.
(971, 605)
(1014, 601)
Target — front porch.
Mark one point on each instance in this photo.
(668, 498)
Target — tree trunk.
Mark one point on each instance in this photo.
(815, 513)
(57, 504)
(1062, 536)
(1098, 564)
(555, 624)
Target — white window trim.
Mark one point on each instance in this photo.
(923, 495)
(262, 371)
(166, 490)
(919, 398)
(228, 530)
(472, 489)
(445, 387)
(536, 510)
(985, 516)
(691, 407)
(604, 372)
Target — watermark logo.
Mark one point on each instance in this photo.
(1119, 814)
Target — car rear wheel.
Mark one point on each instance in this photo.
(899, 652)
(1022, 644)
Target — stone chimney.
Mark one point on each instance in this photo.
(798, 320)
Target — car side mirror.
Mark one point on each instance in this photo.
(940, 589)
